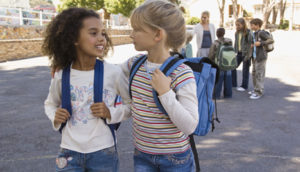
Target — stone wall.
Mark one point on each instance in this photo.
(24, 42)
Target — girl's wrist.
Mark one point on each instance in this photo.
(162, 92)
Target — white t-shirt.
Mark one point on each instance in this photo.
(83, 132)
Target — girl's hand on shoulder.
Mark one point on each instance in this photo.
(160, 82)
(100, 110)
(61, 116)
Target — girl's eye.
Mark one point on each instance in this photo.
(94, 33)
(103, 33)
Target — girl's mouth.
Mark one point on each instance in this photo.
(100, 47)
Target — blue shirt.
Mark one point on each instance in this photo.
(206, 41)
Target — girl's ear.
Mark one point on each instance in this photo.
(75, 43)
(159, 35)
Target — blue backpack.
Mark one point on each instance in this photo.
(205, 72)
(98, 90)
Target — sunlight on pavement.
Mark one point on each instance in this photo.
(25, 63)
(231, 134)
(295, 97)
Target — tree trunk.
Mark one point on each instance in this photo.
(268, 7)
(282, 7)
(234, 9)
(221, 9)
(275, 12)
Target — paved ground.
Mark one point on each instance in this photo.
(254, 135)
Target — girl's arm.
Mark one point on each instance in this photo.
(53, 101)
(182, 106)
(120, 111)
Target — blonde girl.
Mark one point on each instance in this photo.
(161, 141)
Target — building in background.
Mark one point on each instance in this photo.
(15, 3)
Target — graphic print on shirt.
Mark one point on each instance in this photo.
(108, 97)
(82, 99)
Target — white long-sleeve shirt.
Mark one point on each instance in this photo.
(83, 132)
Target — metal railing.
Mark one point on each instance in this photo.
(18, 16)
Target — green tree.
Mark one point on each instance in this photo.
(34, 3)
(91, 4)
(120, 6)
(178, 2)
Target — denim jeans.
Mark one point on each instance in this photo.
(225, 76)
(103, 160)
(245, 71)
(180, 162)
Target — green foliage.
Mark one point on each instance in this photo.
(120, 6)
(178, 2)
(284, 24)
(91, 4)
(247, 14)
(34, 3)
(192, 21)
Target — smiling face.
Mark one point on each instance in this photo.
(254, 27)
(91, 41)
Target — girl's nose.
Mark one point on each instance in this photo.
(101, 37)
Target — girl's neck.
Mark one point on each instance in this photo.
(158, 56)
(84, 63)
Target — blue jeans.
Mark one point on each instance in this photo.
(225, 76)
(103, 160)
(245, 71)
(180, 162)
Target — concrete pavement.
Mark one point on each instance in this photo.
(254, 135)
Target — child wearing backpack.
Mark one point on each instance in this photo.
(225, 75)
(187, 51)
(74, 40)
(161, 141)
(242, 46)
(259, 57)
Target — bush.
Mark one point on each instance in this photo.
(193, 21)
(284, 24)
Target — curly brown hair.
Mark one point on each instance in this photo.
(62, 33)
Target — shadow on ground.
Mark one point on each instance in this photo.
(254, 135)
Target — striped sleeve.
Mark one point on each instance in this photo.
(182, 75)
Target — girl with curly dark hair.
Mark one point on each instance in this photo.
(74, 40)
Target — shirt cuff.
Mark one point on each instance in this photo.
(167, 95)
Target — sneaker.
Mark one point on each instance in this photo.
(240, 89)
(251, 92)
(255, 96)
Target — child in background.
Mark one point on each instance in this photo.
(259, 58)
(242, 46)
(187, 51)
(161, 140)
(76, 37)
(224, 76)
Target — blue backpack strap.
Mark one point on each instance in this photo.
(65, 94)
(134, 68)
(98, 93)
(167, 68)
